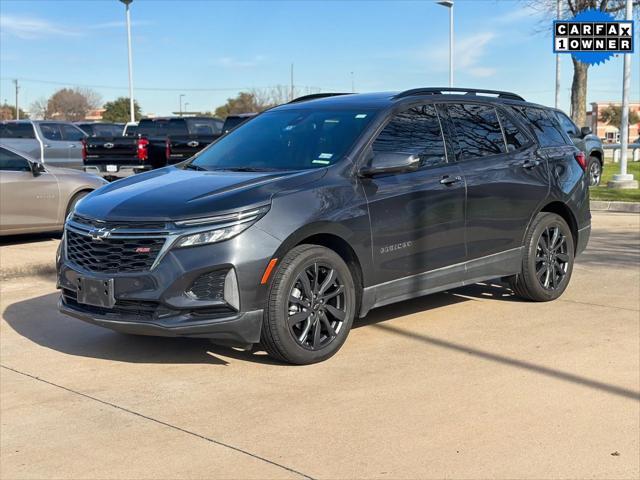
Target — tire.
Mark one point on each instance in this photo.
(72, 203)
(323, 322)
(545, 274)
(594, 171)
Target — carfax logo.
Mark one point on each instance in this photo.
(593, 36)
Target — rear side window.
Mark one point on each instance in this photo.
(478, 130)
(546, 130)
(203, 127)
(415, 132)
(10, 162)
(51, 131)
(71, 133)
(514, 137)
(16, 130)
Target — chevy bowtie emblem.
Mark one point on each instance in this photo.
(193, 143)
(108, 145)
(99, 234)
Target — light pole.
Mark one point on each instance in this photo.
(624, 179)
(186, 110)
(180, 100)
(449, 5)
(131, 110)
(353, 85)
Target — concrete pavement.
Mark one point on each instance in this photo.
(470, 383)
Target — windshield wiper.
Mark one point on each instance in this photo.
(191, 166)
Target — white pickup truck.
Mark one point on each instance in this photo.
(54, 143)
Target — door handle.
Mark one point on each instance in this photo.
(530, 163)
(46, 145)
(72, 145)
(447, 180)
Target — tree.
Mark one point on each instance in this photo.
(612, 115)
(581, 70)
(8, 112)
(258, 100)
(70, 104)
(118, 110)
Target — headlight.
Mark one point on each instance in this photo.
(222, 227)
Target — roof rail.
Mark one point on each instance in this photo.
(315, 96)
(466, 91)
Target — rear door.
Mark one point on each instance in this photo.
(417, 218)
(507, 181)
(27, 202)
(73, 136)
(55, 147)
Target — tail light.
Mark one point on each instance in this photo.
(581, 158)
(167, 149)
(84, 150)
(143, 149)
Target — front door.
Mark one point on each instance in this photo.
(417, 218)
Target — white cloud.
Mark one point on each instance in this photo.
(32, 27)
(231, 62)
(468, 55)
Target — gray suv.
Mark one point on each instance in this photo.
(54, 143)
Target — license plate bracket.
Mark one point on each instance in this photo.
(95, 291)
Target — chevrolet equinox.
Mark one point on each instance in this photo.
(312, 213)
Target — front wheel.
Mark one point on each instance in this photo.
(310, 307)
(594, 170)
(547, 262)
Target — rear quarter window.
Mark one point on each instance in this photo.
(545, 127)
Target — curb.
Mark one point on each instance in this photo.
(605, 206)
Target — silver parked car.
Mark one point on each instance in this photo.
(36, 197)
(54, 143)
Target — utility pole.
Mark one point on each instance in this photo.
(180, 100)
(15, 82)
(558, 14)
(624, 179)
(291, 95)
(131, 104)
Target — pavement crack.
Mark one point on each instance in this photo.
(160, 422)
(598, 305)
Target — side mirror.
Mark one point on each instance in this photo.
(37, 168)
(383, 163)
(584, 131)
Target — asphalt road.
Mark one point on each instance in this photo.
(471, 383)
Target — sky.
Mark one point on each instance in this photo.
(211, 50)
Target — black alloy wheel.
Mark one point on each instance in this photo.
(552, 258)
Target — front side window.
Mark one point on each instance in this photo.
(51, 131)
(478, 130)
(16, 130)
(546, 130)
(415, 131)
(11, 162)
(286, 140)
(566, 124)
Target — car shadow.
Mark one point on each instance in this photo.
(39, 320)
(9, 240)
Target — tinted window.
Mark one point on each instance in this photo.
(286, 140)
(477, 130)
(51, 131)
(131, 131)
(71, 133)
(545, 129)
(102, 129)
(232, 122)
(566, 124)
(163, 127)
(202, 126)
(16, 130)
(514, 137)
(415, 132)
(11, 162)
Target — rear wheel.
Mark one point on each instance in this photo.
(310, 307)
(594, 170)
(547, 261)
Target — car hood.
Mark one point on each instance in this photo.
(171, 193)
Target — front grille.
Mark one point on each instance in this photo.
(112, 255)
(92, 222)
(209, 286)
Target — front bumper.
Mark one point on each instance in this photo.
(159, 301)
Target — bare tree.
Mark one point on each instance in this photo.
(581, 70)
(71, 104)
(39, 109)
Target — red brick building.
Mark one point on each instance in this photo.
(611, 133)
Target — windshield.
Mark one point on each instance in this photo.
(286, 140)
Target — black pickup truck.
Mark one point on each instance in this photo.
(158, 142)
